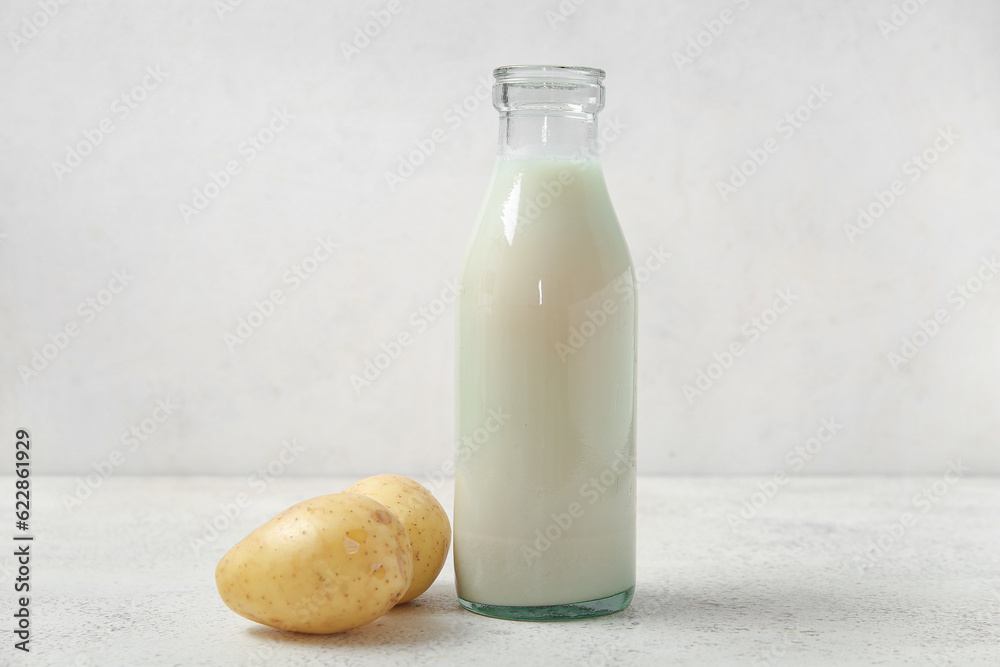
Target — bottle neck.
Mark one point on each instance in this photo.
(548, 136)
(548, 111)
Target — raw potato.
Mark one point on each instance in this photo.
(425, 520)
(328, 564)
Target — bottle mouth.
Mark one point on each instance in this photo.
(548, 74)
(548, 90)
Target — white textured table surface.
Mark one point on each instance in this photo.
(122, 579)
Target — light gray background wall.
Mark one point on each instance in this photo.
(887, 81)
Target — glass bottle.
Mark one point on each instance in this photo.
(545, 494)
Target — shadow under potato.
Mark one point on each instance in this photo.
(429, 620)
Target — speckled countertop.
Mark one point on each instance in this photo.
(814, 571)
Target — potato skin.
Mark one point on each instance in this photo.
(325, 565)
(425, 520)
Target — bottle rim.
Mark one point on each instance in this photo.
(548, 74)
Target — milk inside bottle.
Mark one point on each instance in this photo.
(545, 494)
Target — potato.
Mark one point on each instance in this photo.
(328, 564)
(425, 520)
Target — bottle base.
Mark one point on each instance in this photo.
(556, 612)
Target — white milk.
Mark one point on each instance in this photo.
(546, 335)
